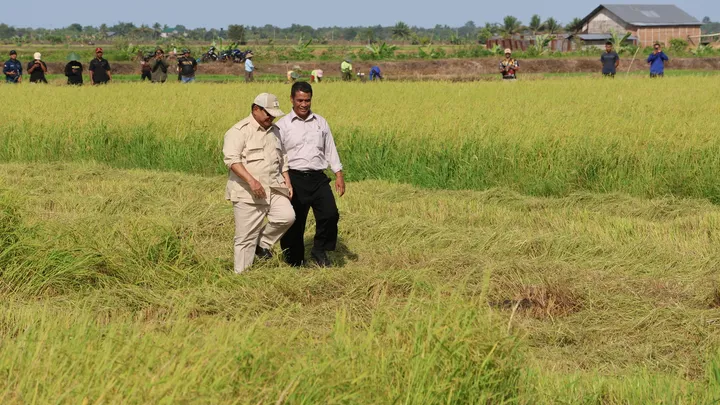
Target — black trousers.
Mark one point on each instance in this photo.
(146, 75)
(311, 190)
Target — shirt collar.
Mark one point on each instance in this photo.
(294, 116)
(259, 127)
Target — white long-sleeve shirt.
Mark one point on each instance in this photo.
(308, 143)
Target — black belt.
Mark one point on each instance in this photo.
(306, 172)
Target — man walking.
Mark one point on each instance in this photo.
(187, 66)
(37, 69)
(12, 69)
(610, 61)
(509, 66)
(249, 68)
(311, 148)
(99, 69)
(258, 183)
(657, 60)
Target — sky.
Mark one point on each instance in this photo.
(316, 13)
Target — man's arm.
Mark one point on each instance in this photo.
(331, 155)
(91, 71)
(617, 61)
(108, 70)
(44, 66)
(664, 57)
(232, 156)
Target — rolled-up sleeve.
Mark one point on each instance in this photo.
(233, 146)
(331, 153)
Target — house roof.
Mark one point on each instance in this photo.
(597, 37)
(643, 15)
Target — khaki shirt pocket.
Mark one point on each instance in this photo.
(254, 152)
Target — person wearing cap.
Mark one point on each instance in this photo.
(99, 69)
(249, 68)
(375, 73)
(258, 182)
(159, 67)
(74, 70)
(294, 74)
(37, 69)
(509, 66)
(316, 76)
(346, 70)
(187, 66)
(12, 69)
(310, 146)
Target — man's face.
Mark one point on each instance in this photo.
(13, 56)
(186, 54)
(608, 48)
(657, 48)
(302, 102)
(99, 54)
(508, 55)
(262, 117)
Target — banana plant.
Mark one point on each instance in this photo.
(381, 51)
(619, 41)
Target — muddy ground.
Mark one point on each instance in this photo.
(446, 69)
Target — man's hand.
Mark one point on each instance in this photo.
(339, 183)
(290, 192)
(257, 189)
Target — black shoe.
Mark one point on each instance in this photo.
(321, 259)
(263, 254)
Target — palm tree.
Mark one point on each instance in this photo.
(536, 24)
(574, 26)
(401, 31)
(511, 26)
(552, 26)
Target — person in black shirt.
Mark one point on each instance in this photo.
(37, 69)
(610, 61)
(74, 70)
(187, 66)
(99, 69)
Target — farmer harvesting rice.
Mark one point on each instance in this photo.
(258, 183)
(311, 149)
(346, 69)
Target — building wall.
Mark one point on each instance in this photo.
(604, 22)
(650, 35)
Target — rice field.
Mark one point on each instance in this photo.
(534, 242)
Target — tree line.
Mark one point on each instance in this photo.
(402, 32)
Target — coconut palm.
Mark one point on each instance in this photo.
(574, 26)
(552, 26)
(401, 31)
(536, 24)
(511, 26)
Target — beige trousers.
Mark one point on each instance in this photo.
(252, 231)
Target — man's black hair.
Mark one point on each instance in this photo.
(608, 43)
(303, 87)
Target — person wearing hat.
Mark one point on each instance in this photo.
(249, 68)
(311, 149)
(509, 66)
(159, 67)
(375, 73)
(12, 69)
(74, 70)
(346, 69)
(258, 182)
(37, 69)
(99, 69)
(316, 76)
(187, 66)
(294, 74)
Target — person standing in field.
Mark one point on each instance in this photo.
(37, 69)
(249, 68)
(657, 60)
(12, 69)
(310, 146)
(159, 67)
(610, 61)
(346, 70)
(258, 183)
(375, 73)
(509, 66)
(145, 69)
(316, 76)
(74, 70)
(187, 66)
(99, 69)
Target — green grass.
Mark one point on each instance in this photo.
(116, 287)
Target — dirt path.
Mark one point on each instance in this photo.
(432, 69)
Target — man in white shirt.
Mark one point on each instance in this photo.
(249, 68)
(310, 147)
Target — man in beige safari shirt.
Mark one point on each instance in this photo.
(258, 182)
